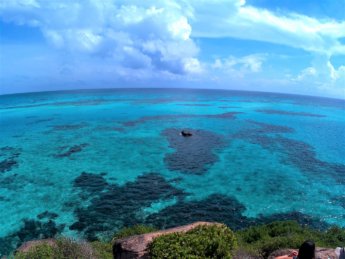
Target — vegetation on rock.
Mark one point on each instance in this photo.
(200, 242)
(134, 230)
(216, 241)
(264, 239)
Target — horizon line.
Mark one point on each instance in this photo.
(172, 88)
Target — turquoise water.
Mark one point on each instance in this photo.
(85, 163)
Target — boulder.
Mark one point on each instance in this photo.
(321, 253)
(186, 133)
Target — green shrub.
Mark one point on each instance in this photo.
(102, 250)
(263, 240)
(134, 230)
(201, 242)
(37, 252)
(64, 248)
(69, 248)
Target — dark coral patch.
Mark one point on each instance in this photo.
(69, 126)
(37, 121)
(224, 209)
(226, 107)
(10, 182)
(10, 154)
(7, 149)
(301, 155)
(7, 165)
(47, 215)
(304, 157)
(109, 128)
(194, 154)
(92, 183)
(265, 128)
(297, 153)
(227, 115)
(339, 200)
(114, 206)
(72, 150)
(196, 104)
(31, 229)
(281, 112)
(216, 207)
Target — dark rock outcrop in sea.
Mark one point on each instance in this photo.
(186, 133)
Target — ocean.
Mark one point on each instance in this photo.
(87, 163)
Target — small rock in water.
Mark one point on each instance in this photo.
(186, 133)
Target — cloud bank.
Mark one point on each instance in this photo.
(159, 39)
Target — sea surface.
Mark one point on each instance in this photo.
(86, 163)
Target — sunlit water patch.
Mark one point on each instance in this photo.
(85, 164)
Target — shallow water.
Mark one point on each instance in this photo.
(85, 163)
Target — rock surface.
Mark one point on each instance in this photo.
(321, 253)
(186, 133)
(137, 246)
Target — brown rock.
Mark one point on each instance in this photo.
(325, 253)
(137, 246)
(320, 253)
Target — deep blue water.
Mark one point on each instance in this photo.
(85, 163)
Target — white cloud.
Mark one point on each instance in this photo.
(233, 18)
(324, 76)
(321, 38)
(157, 38)
(133, 33)
(240, 65)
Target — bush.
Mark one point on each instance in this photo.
(201, 242)
(63, 248)
(68, 248)
(37, 252)
(263, 240)
(134, 230)
(102, 250)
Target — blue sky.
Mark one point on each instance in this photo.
(288, 46)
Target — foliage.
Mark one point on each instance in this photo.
(263, 240)
(37, 252)
(102, 250)
(134, 230)
(63, 248)
(68, 248)
(201, 242)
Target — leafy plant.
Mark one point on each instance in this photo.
(43, 250)
(264, 239)
(102, 250)
(134, 230)
(216, 241)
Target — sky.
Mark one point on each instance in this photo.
(288, 46)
